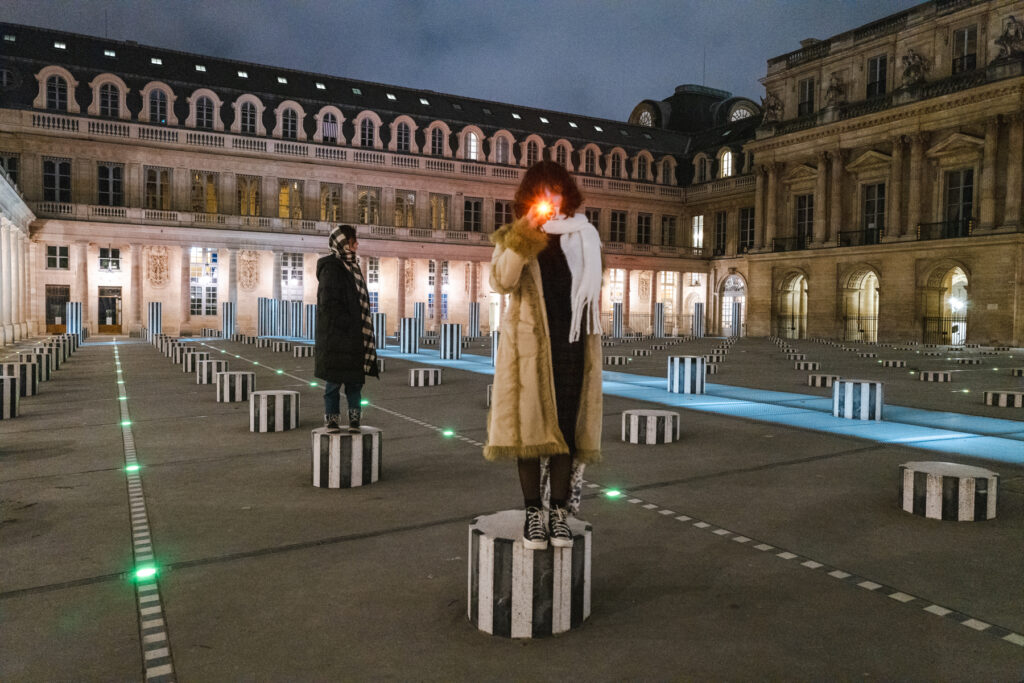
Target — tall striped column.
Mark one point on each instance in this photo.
(380, 325)
(73, 311)
(659, 320)
(309, 322)
(419, 312)
(473, 329)
(9, 396)
(291, 318)
(227, 320)
(857, 399)
(495, 335)
(686, 374)
(617, 320)
(154, 319)
(409, 337)
(737, 319)
(267, 317)
(451, 341)
(698, 319)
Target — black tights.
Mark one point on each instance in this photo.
(529, 478)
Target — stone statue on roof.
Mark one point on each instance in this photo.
(771, 105)
(835, 94)
(1011, 42)
(915, 67)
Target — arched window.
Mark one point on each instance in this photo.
(532, 152)
(616, 166)
(501, 153)
(402, 137)
(727, 165)
(110, 100)
(367, 133)
(472, 147)
(666, 172)
(560, 156)
(158, 107)
(56, 93)
(329, 128)
(204, 113)
(590, 162)
(437, 142)
(642, 170)
(289, 125)
(248, 123)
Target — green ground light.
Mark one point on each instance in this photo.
(280, 372)
(312, 384)
(131, 468)
(365, 402)
(147, 572)
(613, 493)
(125, 423)
(448, 433)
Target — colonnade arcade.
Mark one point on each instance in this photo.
(15, 217)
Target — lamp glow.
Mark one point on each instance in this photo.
(364, 402)
(613, 493)
(145, 572)
(448, 433)
(125, 423)
(131, 468)
(312, 384)
(280, 372)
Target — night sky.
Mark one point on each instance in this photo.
(595, 57)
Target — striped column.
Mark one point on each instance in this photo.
(309, 322)
(617, 330)
(28, 377)
(935, 376)
(424, 377)
(227, 320)
(737, 319)
(451, 341)
(9, 396)
(154, 319)
(73, 313)
(40, 366)
(1005, 399)
(419, 311)
(857, 399)
(303, 351)
(190, 360)
(518, 593)
(686, 374)
(343, 460)
(281, 346)
(207, 370)
(495, 336)
(292, 318)
(659, 320)
(234, 386)
(650, 426)
(945, 490)
(698, 319)
(473, 329)
(380, 327)
(408, 335)
(266, 317)
(273, 411)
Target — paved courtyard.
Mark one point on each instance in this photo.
(756, 548)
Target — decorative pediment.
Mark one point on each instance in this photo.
(869, 161)
(800, 172)
(958, 144)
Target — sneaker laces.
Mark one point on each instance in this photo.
(534, 523)
(560, 522)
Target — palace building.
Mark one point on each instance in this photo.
(873, 194)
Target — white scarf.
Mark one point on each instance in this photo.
(581, 245)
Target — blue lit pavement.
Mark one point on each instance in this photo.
(953, 433)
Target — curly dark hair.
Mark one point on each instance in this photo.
(552, 176)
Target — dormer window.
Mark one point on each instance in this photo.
(357, 91)
(573, 124)
(282, 80)
(516, 116)
(9, 38)
(321, 86)
(599, 129)
(200, 67)
(392, 96)
(109, 53)
(424, 101)
(243, 74)
(60, 45)
(156, 60)
(544, 120)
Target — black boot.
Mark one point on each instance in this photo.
(331, 423)
(353, 420)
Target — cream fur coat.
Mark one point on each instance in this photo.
(523, 422)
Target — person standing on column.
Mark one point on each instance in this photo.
(546, 401)
(346, 351)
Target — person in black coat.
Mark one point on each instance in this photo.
(346, 351)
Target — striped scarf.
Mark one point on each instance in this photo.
(348, 258)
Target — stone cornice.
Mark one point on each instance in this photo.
(13, 207)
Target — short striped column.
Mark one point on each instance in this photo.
(514, 592)
(273, 410)
(806, 365)
(714, 358)
(58, 350)
(935, 376)
(711, 368)
(234, 386)
(821, 380)
(650, 426)
(617, 360)
(209, 332)
(43, 359)
(659, 320)
(1016, 372)
(408, 335)
(451, 341)
(309, 322)
(867, 354)
(154, 319)
(657, 347)
(248, 339)
(281, 346)
(73, 318)
(178, 353)
(857, 399)
(424, 377)
(207, 370)
(641, 352)
(617, 326)
(301, 351)
(10, 394)
(419, 312)
(495, 336)
(473, 328)
(490, 391)
(227, 320)
(796, 356)
(342, 460)
(949, 491)
(969, 361)
(1005, 399)
(266, 316)
(380, 327)
(72, 338)
(190, 360)
(686, 374)
(263, 342)
(894, 363)
(28, 378)
(698, 319)
(380, 365)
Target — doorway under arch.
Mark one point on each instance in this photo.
(791, 307)
(860, 306)
(733, 313)
(946, 302)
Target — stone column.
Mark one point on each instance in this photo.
(654, 293)
(1011, 214)
(276, 275)
(894, 221)
(820, 189)
(137, 305)
(917, 141)
(81, 289)
(233, 278)
(835, 203)
(759, 208)
(474, 269)
(625, 296)
(987, 213)
(6, 283)
(438, 290)
(185, 281)
(401, 289)
(16, 284)
(770, 212)
(26, 307)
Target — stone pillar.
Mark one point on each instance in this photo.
(26, 284)
(16, 285)
(135, 306)
(401, 289)
(820, 189)
(6, 282)
(1011, 214)
(987, 213)
(894, 221)
(80, 292)
(835, 200)
(474, 272)
(770, 212)
(438, 291)
(759, 208)
(914, 196)
(233, 277)
(184, 282)
(625, 296)
(276, 275)
(654, 293)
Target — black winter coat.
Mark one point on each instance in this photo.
(339, 325)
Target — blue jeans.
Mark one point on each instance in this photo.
(332, 398)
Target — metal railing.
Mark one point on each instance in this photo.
(860, 328)
(857, 238)
(944, 230)
(945, 330)
(789, 243)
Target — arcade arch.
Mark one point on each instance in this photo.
(733, 312)
(859, 294)
(790, 319)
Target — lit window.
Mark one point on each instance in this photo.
(516, 116)
(282, 80)
(156, 60)
(424, 101)
(646, 118)
(487, 111)
(599, 129)
(573, 124)
(472, 146)
(60, 45)
(544, 120)
(321, 86)
(392, 97)
(402, 137)
(109, 53)
(200, 67)
(698, 231)
(9, 38)
(727, 165)
(357, 91)
(243, 74)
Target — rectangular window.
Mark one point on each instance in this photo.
(56, 180)
(405, 208)
(330, 202)
(110, 259)
(668, 231)
(959, 196)
(158, 189)
(9, 162)
(439, 206)
(746, 229)
(617, 231)
(291, 276)
(109, 184)
(876, 75)
(502, 212)
(289, 198)
(616, 287)
(667, 289)
(697, 230)
(204, 192)
(372, 271)
(248, 188)
(593, 217)
(57, 298)
(374, 297)
(203, 281)
(805, 103)
(965, 49)
(804, 218)
(720, 219)
(368, 205)
(643, 228)
(473, 215)
(56, 258)
(444, 305)
(874, 209)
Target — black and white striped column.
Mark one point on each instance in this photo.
(650, 426)
(518, 593)
(343, 460)
(178, 353)
(273, 410)
(617, 324)
(473, 328)
(42, 361)
(154, 319)
(495, 336)
(207, 370)
(27, 374)
(1005, 399)
(936, 376)
(698, 319)
(686, 374)
(291, 318)
(451, 341)
(821, 380)
(806, 365)
(946, 490)
(659, 320)
(309, 322)
(300, 351)
(10, 394)
(419, 312)
(266, 317)
(617, 360)
(281, 346)
(424, 377)
(857, 399)
(380, 329)
(190, 360)
(73, 313)
(234, 386)
(227, 320)
(408, 335)
(263, 342)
